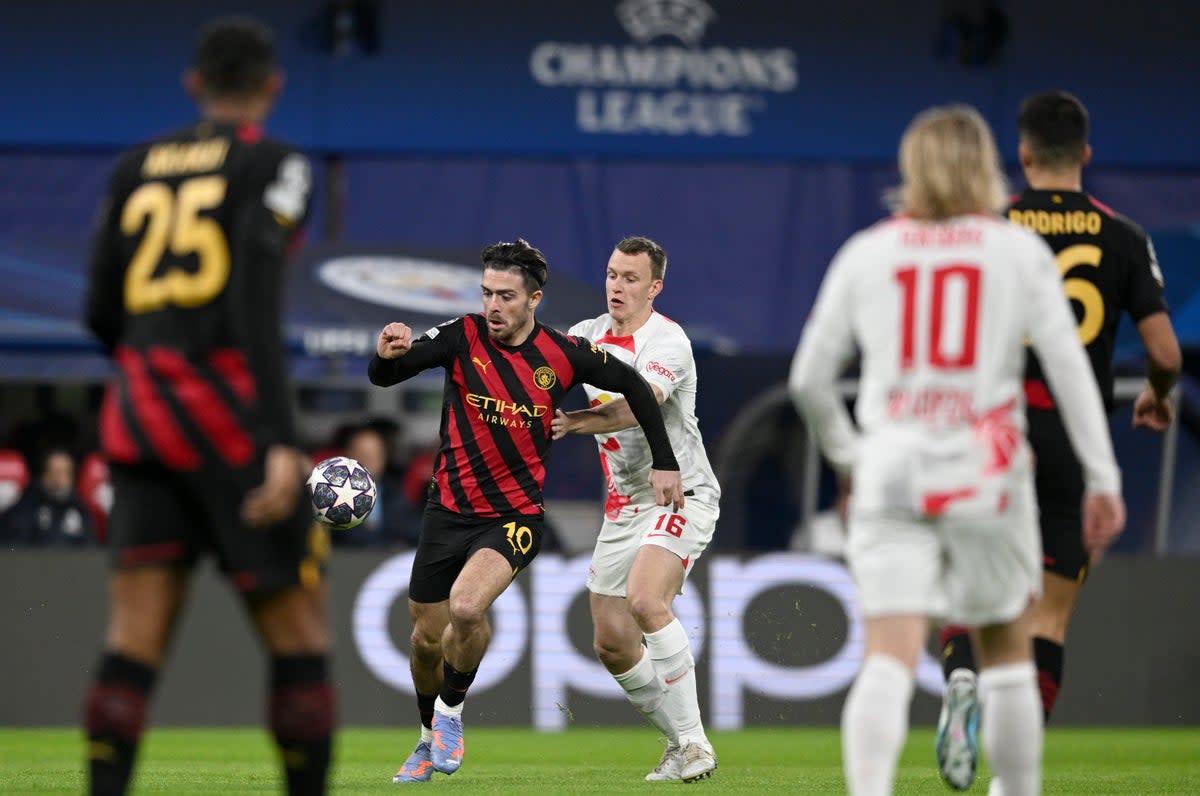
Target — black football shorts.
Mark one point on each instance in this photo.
(449, 539)
(165, 517)
(1059, 482)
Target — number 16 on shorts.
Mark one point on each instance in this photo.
(669, 524)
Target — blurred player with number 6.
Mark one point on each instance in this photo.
(1108, 265)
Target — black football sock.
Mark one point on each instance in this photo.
(302, 719)
(1048, 657)
(115, 717)
(454, 687)
(956, 650)
(425, 708)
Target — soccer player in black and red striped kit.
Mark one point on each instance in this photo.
(505, 375)
(1108, 266)
(185, 293)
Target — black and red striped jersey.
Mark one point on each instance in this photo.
(499, 401)
(185, 291)
(1108, 266)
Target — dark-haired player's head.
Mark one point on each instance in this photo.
(234, 67)
(520, 258)
(634, 277)
(1053, 129)
(514, 274)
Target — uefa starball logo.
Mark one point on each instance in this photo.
(649, 19)
(665, 81)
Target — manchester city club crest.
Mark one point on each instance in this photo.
(544, 377)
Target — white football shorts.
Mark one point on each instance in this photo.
(686, 533)
(969, 572)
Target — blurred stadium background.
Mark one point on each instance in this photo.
(749, 138)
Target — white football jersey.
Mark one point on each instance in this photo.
(940, 314)
(662, 354)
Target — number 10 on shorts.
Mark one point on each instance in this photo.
(520, 537)
(671, 523)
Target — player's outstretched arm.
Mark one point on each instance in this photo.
(611, 374)
(606, 418)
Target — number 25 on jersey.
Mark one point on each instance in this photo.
(946, 333)
(172, 228)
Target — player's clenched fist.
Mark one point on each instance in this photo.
(394, 341)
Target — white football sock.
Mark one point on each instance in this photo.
(441, 707)
(874, 725)
(426, 734)
(1012, 727)
(671, 654)
(645, 691)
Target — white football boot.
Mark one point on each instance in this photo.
(668, 767)
(699, 761)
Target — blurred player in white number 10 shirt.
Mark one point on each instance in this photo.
(940, 301)
(645, 551)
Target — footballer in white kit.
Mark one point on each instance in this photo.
(942, 519)
(940, 302)
(644, 553)
(661, 352)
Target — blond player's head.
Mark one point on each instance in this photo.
(949, 166)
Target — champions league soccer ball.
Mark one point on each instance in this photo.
(342, 492)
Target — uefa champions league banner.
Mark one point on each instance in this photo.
(649, 78)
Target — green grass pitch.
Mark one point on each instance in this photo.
(592, 760)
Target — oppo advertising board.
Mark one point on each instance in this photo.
(778, 640)
(744, 617)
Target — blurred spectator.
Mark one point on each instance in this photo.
(14, 475)
(49, 513)
(393, 521)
